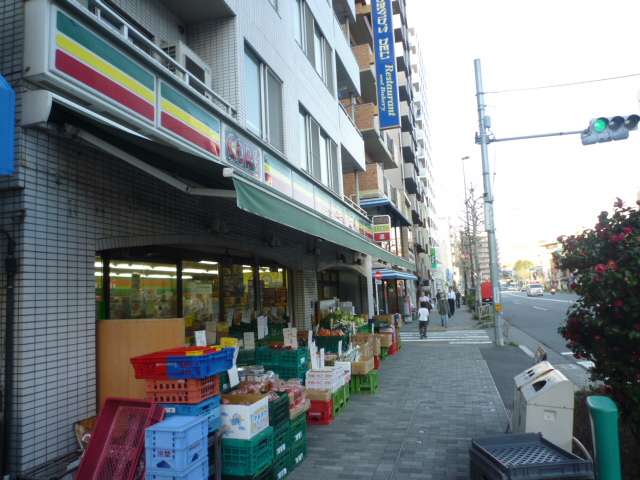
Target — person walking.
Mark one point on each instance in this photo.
(451, 298)
(443, 309)
(458, 298)
(423, 318)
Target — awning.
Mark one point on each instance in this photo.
(388, 273)
(385, 202)
(272, 205)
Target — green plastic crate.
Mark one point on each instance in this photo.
(365, 383)
(279, 411)
(281, 467)
(246, 357)
(366, 328)
(384, 353)
(330, 342)
(247, 457)
(346, 391)
(298, 430)
(338, 401)
(282, 441)
(298, 454)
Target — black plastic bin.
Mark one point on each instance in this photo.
(526, 456)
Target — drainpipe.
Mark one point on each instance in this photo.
(11, 268)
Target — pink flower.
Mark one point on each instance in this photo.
(618, 302)
(601, 268)
(627, 230)
(574, 285)
(560, 238)
(614, 239)
(598, 279)
(612, 265)
(619, 203)
(637, 326)
(602, 234)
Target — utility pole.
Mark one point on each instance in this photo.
(488, 207)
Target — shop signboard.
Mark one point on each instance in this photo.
(434, 260)
(242, 154)
(386, 70)
(381, 228)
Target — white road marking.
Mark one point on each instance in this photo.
(540, 308)
(452, 337)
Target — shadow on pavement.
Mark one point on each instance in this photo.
(504, 364)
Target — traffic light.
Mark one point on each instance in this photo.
(605, 129)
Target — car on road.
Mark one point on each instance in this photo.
(535, 290)
(514, 288)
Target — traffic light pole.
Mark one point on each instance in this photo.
(483, 139)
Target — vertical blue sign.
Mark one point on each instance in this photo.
(386, 72)
(7, 126)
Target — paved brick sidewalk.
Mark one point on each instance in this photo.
(431, 400)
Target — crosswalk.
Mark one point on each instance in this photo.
(450, 336)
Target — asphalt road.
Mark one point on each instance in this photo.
(533, 321)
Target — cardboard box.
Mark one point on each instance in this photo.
(366, 349)
(362, 366)
(329, 377)
(244, 422)
(319, 394)
(377, 350)
(362, 337)
(386, 339)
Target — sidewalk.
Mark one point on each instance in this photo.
(433, 398)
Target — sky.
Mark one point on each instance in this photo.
(545, 187)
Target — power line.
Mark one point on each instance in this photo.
(564, 84)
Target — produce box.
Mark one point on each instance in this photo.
(386, 339)
(376, 347)
(362, 337)
(329, 377)
(244, 422)
(362, 366)
(318, 394)
(366, 350)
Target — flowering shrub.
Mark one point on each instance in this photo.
(604, 324)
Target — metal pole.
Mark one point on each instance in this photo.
(488, 208)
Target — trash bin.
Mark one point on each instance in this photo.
(532, 374)
(545, 405)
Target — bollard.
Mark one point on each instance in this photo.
(603, 413)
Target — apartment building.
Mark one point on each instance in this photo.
(181, 165)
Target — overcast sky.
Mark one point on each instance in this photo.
(544, 187)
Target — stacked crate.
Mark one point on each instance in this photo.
(279, 420)
(177, 449)
(286, 363)
(186, 382)
(298, 440)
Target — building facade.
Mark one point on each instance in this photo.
(174, 172)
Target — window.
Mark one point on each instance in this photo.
(263, 101)
(313, 43)
(319, 154)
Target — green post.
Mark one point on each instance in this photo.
(603, 413)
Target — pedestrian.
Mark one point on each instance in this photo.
(443, 309)
(458, 298)
(424, 297)
(423, 318)
(451, 298)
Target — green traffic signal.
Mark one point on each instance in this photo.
(600, 125)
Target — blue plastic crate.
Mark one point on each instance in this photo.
(176, 432)
(210, 409)
(175, 460)
(200, 366)
(198, 471)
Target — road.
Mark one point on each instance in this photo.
(533, 321)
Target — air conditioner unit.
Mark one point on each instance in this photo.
(191, 63)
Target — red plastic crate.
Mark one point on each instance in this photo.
(376, 362)
(320, 413)
(183, 362)
(115, 451)
(393, 349)
(186, 390)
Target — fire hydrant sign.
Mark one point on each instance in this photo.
(381, 228)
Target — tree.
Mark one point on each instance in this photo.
(604, 324)
(522, 268)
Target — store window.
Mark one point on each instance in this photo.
(274, 294)
(142, 290)
(263, 101)
(200, 296)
